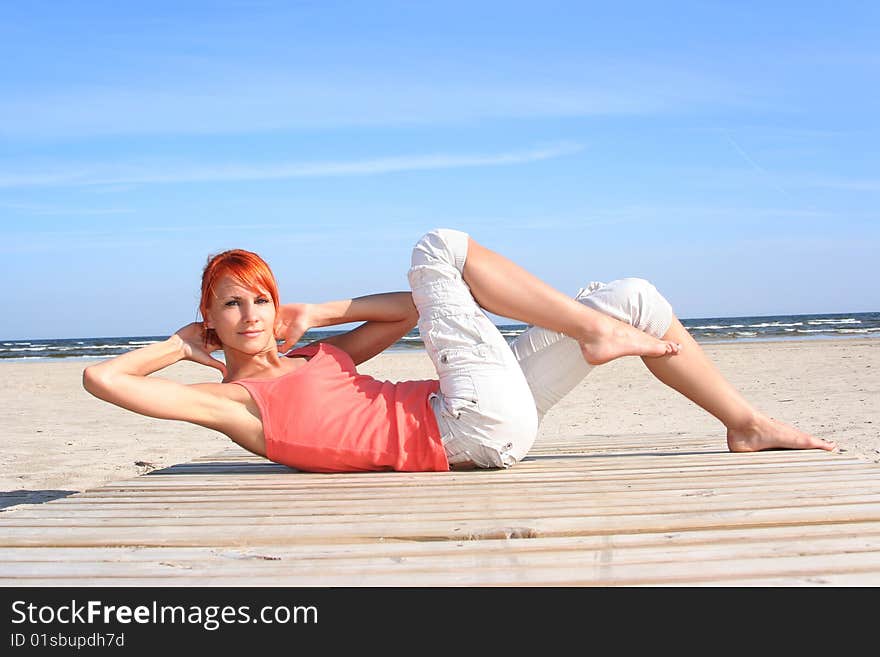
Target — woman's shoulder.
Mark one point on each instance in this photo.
(315, 350)
(309, 350)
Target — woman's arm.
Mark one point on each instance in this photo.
(125, 381)
(388, 317)
(386, 307)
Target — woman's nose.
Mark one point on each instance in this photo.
(249, 313)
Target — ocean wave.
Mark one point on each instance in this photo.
(73, 348)
(774, 324)
(706, 329)
(25, 349)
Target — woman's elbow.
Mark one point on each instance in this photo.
(412, 313)
(94, 380)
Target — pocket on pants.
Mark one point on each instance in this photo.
(454, 365)
(462, 358)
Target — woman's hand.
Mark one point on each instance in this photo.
(291, 323)
(194, 349)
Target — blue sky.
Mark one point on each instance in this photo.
(727, 151)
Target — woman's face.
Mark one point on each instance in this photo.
(243, 318)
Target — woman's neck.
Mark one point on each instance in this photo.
(241, 365)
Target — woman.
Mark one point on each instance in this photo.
(310, 409)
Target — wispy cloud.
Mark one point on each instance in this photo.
(821, 181)
(137, 236)
(784, 181)
(848, 184)
(160, 173)
(757, 167)
(52, 210)
(691, 214)
(224, 98)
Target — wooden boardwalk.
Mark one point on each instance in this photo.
(579, 511)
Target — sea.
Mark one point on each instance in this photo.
(704, 330)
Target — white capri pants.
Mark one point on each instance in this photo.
(493, 395)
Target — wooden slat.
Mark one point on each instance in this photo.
(562, 551)
(263, 530)
(611, 565)
(577, 505)
(582, 502)
(784, 536)
(518, 572)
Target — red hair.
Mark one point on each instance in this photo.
(249, 269)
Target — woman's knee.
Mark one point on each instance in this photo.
(635, 301)
(441, 246)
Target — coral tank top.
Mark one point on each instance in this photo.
(325, 417)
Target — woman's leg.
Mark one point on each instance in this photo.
(484, 410)
(504, 288)
(553, 363)
(692, 374)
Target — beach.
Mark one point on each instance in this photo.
(58, 439)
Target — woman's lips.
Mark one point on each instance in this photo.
(251, 334)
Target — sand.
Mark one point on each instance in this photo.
(58, 439)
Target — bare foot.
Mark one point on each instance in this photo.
(622, 339)
(766, 433)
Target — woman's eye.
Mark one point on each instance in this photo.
(234, 302)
